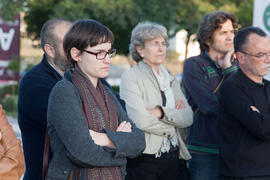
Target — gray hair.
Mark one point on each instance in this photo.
(142, 32)
(47, 34)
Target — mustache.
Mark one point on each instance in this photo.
(265, 66)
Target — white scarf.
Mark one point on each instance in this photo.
(163, 79)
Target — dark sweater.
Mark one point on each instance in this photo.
(34, 92)
(244, 134)
(201, 76)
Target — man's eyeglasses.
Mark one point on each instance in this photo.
(260, 56)
(102, 54)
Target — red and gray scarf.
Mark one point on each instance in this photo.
(99, 113)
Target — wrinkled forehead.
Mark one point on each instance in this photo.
(256, 43)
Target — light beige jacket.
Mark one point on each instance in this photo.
(140, 90)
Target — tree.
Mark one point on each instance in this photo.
(121, 16)
(189, 16)
(8, 8)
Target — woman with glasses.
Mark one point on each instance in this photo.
(90, 133)
(156, 105)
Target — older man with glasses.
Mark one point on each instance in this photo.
(244, 101)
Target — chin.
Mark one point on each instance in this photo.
(104, 75)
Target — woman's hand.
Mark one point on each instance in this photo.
(124, 127)
(101, 139)
(155, 112)
(180, 104)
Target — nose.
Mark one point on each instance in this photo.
(162, 47)
(230, 36)
(107, 59)
(267, 58)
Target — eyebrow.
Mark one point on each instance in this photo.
(100, 50)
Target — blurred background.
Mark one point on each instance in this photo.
(21, 22)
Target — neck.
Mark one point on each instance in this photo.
(93, 80)
(56, 67)
(214, 55)
(155, 67)
(256, 79)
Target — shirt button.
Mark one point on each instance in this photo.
(65, 172)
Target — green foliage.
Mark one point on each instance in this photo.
(28, 67)
(245, 13)
(122, 15)
(116, 89)
(8, 8)
(6, 90)
(10, 103)
(14, 64)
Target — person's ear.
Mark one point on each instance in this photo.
(49, 50)
(208, 43)
(75, 54)
(139, 49)
(240, 57)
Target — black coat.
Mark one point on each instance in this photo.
(34, 91)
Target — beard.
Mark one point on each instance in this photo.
(256, 72)
(61, 61)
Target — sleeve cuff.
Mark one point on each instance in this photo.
(229, 70)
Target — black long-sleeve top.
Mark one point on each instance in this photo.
(244, 133)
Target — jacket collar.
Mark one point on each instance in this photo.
(148, 71)
(48, 68)
(206, 56)
(243, 79)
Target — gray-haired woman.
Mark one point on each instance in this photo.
(155, 103)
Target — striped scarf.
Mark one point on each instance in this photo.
(99, 113)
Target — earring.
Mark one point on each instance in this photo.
(142, 55)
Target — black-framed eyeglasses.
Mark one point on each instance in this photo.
(102, 54)
(260, 56)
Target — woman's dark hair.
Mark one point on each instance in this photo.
(85, 33)
(209, 24)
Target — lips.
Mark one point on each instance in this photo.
(105, 68)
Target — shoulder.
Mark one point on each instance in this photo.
(131, 73)
(38, 76)
(266, 82)
(200, 59)
(230, 83)
(63, 86)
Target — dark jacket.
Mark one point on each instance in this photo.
(71, 142)
(200, 78)
(34, 91)
(244, 134)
